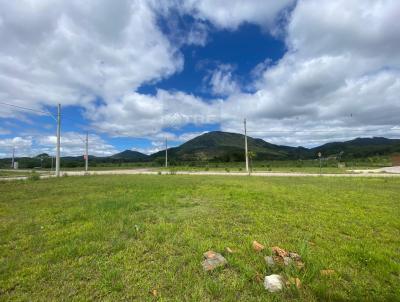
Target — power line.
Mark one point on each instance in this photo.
(24, 108)
(30, 109)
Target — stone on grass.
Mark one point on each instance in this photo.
(287, 261)
(273, 283)
(270, 261)
(279, 251)
(213, 260)
(209, 254)
(258, 247)
(294, 256)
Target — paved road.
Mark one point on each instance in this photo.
(361, 173)
(395, 170)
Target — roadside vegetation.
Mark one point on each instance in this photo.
(300, 166)
(142, 237)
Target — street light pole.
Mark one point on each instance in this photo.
(58, 140)
(166, 152)
(87, 153)
(13, 156)
(245, 146)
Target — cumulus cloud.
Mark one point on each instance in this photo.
(22, 146)
(339, 79)
(221, 80)
(148, 116)
(72, 144)
(71, 52)
(340, 73)
(232, 13)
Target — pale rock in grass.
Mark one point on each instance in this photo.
(213, 260)
(287, 261)
(270, 261)
(294, 256)
(273, 283)
(258, 247)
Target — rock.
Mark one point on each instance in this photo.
(279, 252)
(270, 261)
(213, 260)
(278, 260)
(287, 261)
(209, 254)
(258, 246)
(295, 256)
(273, 283)
(327, 272)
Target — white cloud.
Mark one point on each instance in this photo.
(72, 144)
(341, 75)
(341, 70)
(22, 146)
(232, 13)
(221, 80)
(141, 115)
(79, 50)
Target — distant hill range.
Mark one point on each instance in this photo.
(225, 146)
(130, 155)
(221, 146)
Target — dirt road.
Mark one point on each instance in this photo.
(395, 172)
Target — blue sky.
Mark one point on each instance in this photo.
(135, 72)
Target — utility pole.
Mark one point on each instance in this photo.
(87, 152)
(58, 140)
(245, 146)
(13, 156)
(166, 152)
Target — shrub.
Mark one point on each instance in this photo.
(34, 176)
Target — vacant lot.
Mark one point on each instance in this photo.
(120, 237)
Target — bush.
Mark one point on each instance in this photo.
(34, 176)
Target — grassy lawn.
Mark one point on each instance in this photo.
(314, 170)
(10, 173)
(116, 238)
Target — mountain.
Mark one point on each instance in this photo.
(130, 155)
(225, 146)
(221, 146)
(360, 147)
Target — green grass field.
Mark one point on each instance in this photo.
(117, 238)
